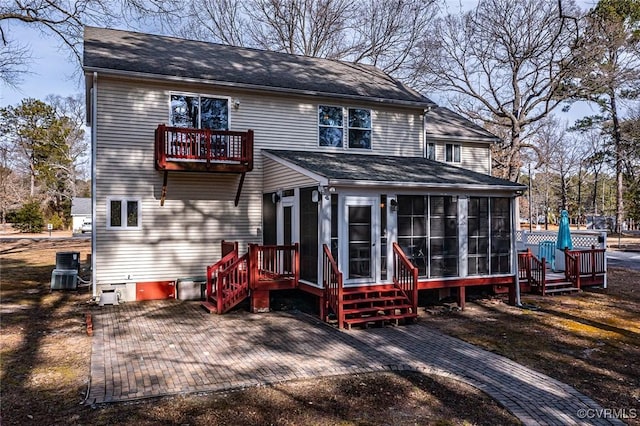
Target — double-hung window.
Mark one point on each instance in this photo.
(199, 112)
(359, 128)
(331, 127)
(123, 213)
(334, 123)
(452, 153)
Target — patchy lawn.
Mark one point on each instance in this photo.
(590, 340)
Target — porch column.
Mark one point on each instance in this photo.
(463, 235)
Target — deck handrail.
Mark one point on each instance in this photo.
(534, 269)
(572, 267)
(585, 264)
(232, 284)
(213, 271)
(405, 275)
(270, 262)
(333, 285)
(210, 146)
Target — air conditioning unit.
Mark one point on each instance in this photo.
(68, 260)
(64, 279)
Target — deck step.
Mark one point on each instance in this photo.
(379, 319)
(375, 309)
(210, 307)
(562, 290)
(373, 300)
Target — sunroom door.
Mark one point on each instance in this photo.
(359, 249)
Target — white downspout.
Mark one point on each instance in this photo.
(514, 250)
(94, 105)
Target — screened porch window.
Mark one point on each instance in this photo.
(412, 230)
(443, 236)
(489, 240)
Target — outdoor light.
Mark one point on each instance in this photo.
(275, 197)
(394, 204)
(315, 196)
(236, 103)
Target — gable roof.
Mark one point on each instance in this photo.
(147, 55)
(81, 206)
(443, 123)
(345, 169)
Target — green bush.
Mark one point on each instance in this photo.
(56, 221)
(29, 218)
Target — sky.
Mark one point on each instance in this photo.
(53, 71)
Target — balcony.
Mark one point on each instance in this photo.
(203, 150)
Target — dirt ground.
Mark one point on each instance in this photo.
(590, 340)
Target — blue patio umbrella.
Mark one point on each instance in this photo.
(564, 234)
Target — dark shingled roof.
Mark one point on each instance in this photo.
(147, 54)
(409, 171)
(442, 122)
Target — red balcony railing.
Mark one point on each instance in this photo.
(179, 148)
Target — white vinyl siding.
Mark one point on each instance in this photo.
(278, 176)
(473, 156)
(182, 237)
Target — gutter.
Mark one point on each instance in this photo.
(459, 186)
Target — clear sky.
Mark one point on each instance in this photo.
(53, 71)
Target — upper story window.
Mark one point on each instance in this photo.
(452, 153)
(330, 121)
(331, 126)
(123, 213)
(431, 151)
(199, 112)
(359, 128)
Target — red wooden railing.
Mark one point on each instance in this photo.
(209, 146)
(232, 284)
(274, 262)
(585, 267)
(532, 269)
(405, 276)
(333, 288)
(213, 270)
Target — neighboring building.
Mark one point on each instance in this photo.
(269, 148)
(80, 213)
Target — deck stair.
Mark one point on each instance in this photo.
(558, 284)
(376, 306)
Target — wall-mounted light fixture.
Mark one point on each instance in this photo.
(323, 190)
(275, 197)
(394, 204)
(236, 103)
(315, 196)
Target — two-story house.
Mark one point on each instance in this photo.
(332, 177)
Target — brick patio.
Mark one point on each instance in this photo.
(157, 348)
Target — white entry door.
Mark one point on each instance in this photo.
(359, 249)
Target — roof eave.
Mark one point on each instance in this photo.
(255, 87)
(424, 185)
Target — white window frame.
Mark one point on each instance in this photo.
(431, 149)
(455, 149)
(370, 129)
(320, 125)
(123, 213)
(200, 95)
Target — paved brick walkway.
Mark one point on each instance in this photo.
(169, 347)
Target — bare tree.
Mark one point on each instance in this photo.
(65, 19)
(503, 63)
(610, 47)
